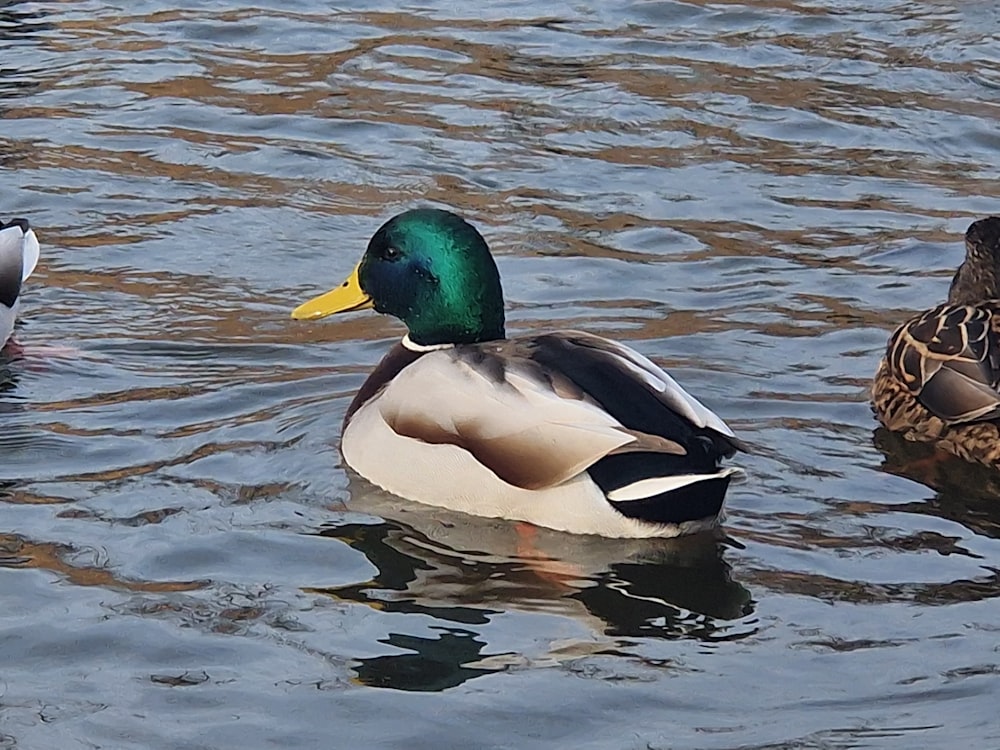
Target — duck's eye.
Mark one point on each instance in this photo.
(390, 253)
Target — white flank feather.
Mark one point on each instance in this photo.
(11, 241)
(19, 253)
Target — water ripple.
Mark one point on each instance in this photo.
(752, 194)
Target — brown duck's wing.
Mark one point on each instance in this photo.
(949, 359)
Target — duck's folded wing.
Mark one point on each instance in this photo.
(632, 388)
(949, 359)
(530, 426)
(30, 255)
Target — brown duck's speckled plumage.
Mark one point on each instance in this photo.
(940, 378)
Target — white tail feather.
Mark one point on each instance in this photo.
(30, 257)
(656, 485)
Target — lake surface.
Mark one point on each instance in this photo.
(752, 194)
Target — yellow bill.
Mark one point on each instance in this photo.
(344, 298)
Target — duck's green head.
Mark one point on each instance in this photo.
(432, 270)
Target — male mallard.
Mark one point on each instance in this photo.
(18, 256)
(940, 378)
(565, 429)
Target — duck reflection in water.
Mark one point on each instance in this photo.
(965, 492)
(8, 379)
(464, 570)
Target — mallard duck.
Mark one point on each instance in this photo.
(566, 430)
(18, 256)
(939, 380)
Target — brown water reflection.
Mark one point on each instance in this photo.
(18, 552)
(752, 194)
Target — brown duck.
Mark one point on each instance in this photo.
(940, 378)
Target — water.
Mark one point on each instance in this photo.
(752, 194)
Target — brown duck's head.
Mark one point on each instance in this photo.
(978, 278)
